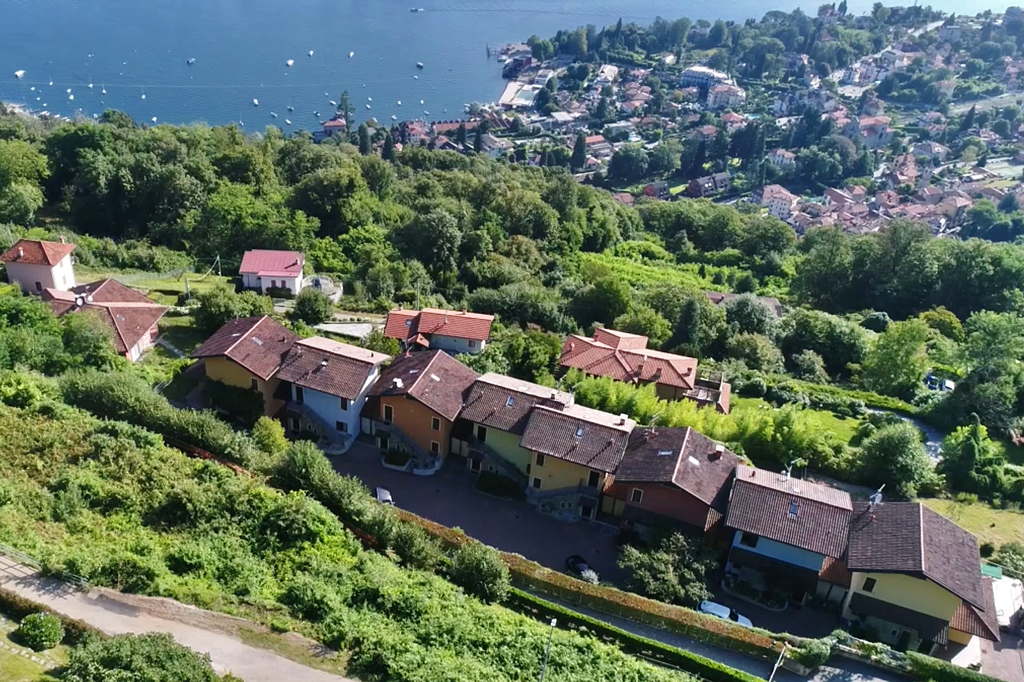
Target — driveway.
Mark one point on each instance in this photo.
(113, 614)
(804, 621)
(1004, 660)
(448, 498)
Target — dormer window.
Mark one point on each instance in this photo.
(579, 432)
(794, 509)
(510, 401)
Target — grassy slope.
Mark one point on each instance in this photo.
(150, 281)
(997, 526)
(843, 428)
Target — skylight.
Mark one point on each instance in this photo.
(510, 401)
(579, 431)
(794, 509)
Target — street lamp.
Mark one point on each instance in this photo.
(547, 650)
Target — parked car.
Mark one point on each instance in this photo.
(721, 611)
(579, 567)
(383, 496)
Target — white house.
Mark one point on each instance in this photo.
(325, 384)
(264, 269)
(724, 96)
(36, 265)
(778, 200)
(454, 331)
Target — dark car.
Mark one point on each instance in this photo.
(579, 567)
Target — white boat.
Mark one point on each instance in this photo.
(51, 84)
(153, 119)
(393, 117)
(415, 78)
(367, 106)
(332, 103)
(426, 113)
(143, 96)
(90, 86)
(32, 89)
(273, 115)
(369, 99)
(19, 74)
(422, 102)
(419, 65)
(68, 91)
(351, 54)
(103, 91)
(399, 102)
(255, 102)
(291, 108)
(71, 98)
(310, 53)
(289, 62)
(190, 61)
(288, 121)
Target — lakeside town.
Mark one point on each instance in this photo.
(849, 144)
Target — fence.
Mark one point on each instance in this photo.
(27, 560)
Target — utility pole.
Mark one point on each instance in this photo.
(547, 650)
(782, 655)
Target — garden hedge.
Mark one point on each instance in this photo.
(17, 607)
(650, 649)
(927, 668)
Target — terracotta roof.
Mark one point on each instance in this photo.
(975, 621)
(578, 434)
(685, 458)
(258, 344)
(329, 366)
(269, 263)
(406, 324)
(800, 513)
(129, 314)
(36, 252)
(834, 570)
(908, 537)
(434, 378)
(628, 364)
(504, 403)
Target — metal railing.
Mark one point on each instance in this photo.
(25, 559)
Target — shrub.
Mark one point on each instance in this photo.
(479, 570)
(154, 657)
(312, 306)
(243, 404)
(934, 670)
(814, 652)
(40, 631)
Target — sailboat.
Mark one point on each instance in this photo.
(310, 53)
(190, 61)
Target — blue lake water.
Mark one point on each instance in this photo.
(137, 51)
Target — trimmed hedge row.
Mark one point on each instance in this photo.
(536, 578)
(18, 607)
(650, 649)
(935, 670)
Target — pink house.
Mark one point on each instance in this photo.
(264, 269)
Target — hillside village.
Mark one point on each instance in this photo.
(888, 570)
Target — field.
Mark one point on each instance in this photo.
(997, 526)
(644, 274)
(843, 428)
(154, 282)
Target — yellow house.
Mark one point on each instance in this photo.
(916, 582)
(246, 353)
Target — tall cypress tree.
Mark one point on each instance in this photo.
(579, 152)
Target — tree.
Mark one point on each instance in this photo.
(219, 304)
(269, 437)
(312, 306)
(388, 151)
(628, 163)
(345, 111)
(460, 135)
(365, 145)
(673, 571)
(756, 351)
(603, 301)
(152, 657)
(809, 366)
(747, 314)
(480, 571)
(579, 152)
(893, 455)
(646, 321)
(478, 139)
(896, 364)
(971, 462)
(945, 322)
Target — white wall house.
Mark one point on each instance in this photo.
(326, 383)
(264, 269)
(36, 265)
(453, 331)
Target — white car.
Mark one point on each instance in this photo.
(383, 495)
(724, 612)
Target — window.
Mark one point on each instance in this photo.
(343, 404)
(794, 509)
(385, 443)
(39, 286)
(527, 469)
(593, 479)
(540, 460)
(474, 465)
(748, 539)
(586, 511)
(536, 483)
(298, 394)
(435, 447)
(869, 584)
(510, 401)
(636, 496)
(435, 424)
(294, 423)
(472, 343)
(481, 434)
(254, 385)
(342, 427)
(579, 432)
(388, 414)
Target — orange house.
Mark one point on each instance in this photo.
(416, 401)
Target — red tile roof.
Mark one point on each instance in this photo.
(36, 252)
(434, 378)
(258, 344)
(269, 263)
(406, 324)
(129, 314)
(808, 515)
(628, 363)
(330, 367)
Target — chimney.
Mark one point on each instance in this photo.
(717, 452)
(323, 363)
(62, 240)
(622, 419)
(396, 382)
(21, 253)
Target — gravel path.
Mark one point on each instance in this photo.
(115, 614)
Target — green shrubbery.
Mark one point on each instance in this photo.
(40, 631)
(153, 657)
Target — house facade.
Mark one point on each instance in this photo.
(325, 384)
(416, 401)
(264, 269)
(626, 357)
(35, 265)
(246, 353)
(453, 331)
(130, 316)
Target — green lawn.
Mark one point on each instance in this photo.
(843, 428)
(181, 332)
(153, 282)
(997, 526)
(16, 661)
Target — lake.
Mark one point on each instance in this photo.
(134, 53)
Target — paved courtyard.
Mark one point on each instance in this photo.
(449, 498)
(1004, 660)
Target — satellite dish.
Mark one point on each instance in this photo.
(875, 499)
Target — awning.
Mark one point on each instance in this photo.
(928, 627)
